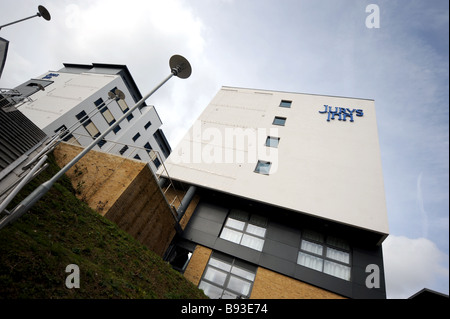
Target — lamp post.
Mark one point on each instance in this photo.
(42, 12)
(179, 67)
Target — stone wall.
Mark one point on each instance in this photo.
(123, 190)
(272, 285)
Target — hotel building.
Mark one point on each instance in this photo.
(288, 194)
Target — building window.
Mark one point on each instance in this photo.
(82, 116)
(123, 150)
(278, 120)
(130, 117)
(245, 229)
(122, 104)
(263, 167)
(179, 258)
(148, 147)
(92, 129)
(107, 115)
(88, 124)
(285, 103)
(116, 129)
(327, 254)
(136, 137)
(157, 162)
(272, 141)
(227, 278)
(101, 143)
(137, 157)
(147, 125)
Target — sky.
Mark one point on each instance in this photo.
(396, 54)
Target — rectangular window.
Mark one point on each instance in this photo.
(285, 103)
(148, 147)
(116, 129)
(272, 141)
(244, 229)
(88, 124)
(92, 129)
(123, 105)
(263, 167)
(107, 115)
(82, 116)
(330, 255)
(226, 277)
(157, 162)
(146, 126)
(136, 137)
(101, 143)
(278, 120)
(123, 150)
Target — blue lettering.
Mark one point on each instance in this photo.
(326, 109)
(342, 113)
(345, 114)
(334, 113)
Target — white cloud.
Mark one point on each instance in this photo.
(413, 264)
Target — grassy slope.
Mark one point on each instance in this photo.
(61, 230)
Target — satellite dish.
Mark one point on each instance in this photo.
(43, 12)
(180, 66)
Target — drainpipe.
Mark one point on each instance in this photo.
(185, 202)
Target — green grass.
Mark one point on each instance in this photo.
(60, 230)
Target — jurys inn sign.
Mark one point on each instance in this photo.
(341, 113)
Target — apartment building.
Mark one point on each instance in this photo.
(78, 98)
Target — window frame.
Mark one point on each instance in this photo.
(106, 113)
(244, 232)
(136, 136)
(325, 245)
(258, 168)
(233, 263)
(286, 104)
(88, 125)
(279, 118)
(270, 140)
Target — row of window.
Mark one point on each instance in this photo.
(327, 254)
(263, 167)
(92, 129)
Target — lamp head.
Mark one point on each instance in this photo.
(43, 12)
(180, 66)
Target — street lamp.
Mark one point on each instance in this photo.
(179, 67)
(42, 12)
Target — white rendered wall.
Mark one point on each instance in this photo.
(330, 169)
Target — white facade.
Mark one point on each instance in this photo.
(320, 166)
(70, 92)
